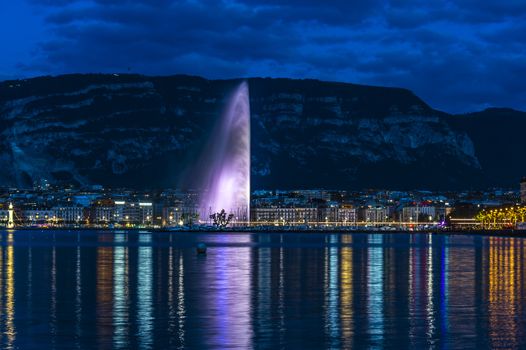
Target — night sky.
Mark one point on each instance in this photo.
(457, 55)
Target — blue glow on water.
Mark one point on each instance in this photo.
(375, 287)
(333, 293)
(120, 294)
(145, 293)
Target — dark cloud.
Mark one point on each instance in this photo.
(457, 55)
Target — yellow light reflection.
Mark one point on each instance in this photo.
(346, 307)
(104, 292)
(505, 273)
(10, 293)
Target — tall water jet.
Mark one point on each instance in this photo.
(226, 176)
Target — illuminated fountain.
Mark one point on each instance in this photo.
(226, 177)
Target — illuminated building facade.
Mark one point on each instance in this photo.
(284, 215)
(68, 214)
(374, 215)
(419, 213)
(172, 216)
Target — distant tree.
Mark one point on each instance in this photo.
(221, 219)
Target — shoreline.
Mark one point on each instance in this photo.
(245, 230)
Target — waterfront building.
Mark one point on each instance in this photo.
(328, 215)
(133, 213)
(284, 216)
(102, 214)
(37, 216)
(119, 211)
(419, 214)
(332, 216)
(523, 190)
(107, 211)
(347, 216)
(146, 212)
(68, 214)
(172, 216)
(373, 215)
(4, 216)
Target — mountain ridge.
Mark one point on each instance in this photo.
(142, 131)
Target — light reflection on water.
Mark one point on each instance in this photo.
(346, 284)
(332, 292)
(125, 291)
(145, 293)
(120, 294)
(375, 289)
(226, 274)
(10, 296)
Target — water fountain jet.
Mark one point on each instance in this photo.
(226, 178)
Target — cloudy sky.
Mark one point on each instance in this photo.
(458, 56)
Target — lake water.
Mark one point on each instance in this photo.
(107, 290)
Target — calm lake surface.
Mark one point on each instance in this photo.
(108, 290)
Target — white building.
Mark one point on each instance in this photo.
(347, 216)
(68, 214)
(419, 214)
(38, 216)
(374, 215)
(304, 216)
(123, 213)
(102, 214)
(284, 216)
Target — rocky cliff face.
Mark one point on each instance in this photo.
(144, 132)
